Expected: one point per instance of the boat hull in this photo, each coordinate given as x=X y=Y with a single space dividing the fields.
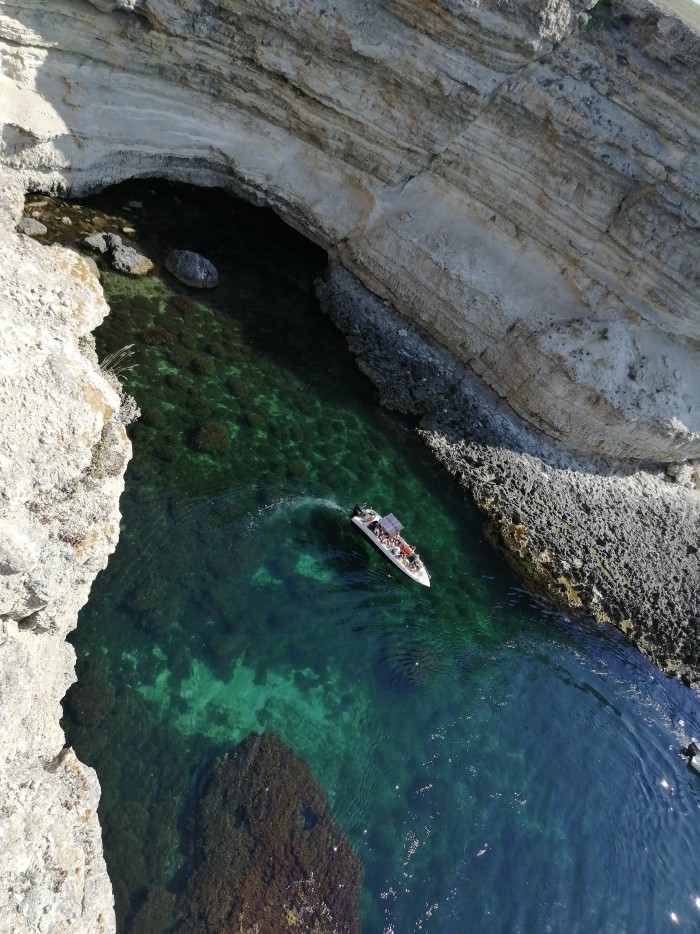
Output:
x=421 y=576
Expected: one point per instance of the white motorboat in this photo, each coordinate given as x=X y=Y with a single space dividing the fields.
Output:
x=383 y=532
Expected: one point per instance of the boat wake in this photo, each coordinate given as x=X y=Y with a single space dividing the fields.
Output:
x=286 y=505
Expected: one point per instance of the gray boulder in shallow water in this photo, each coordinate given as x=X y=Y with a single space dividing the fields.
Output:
x=192 y=269
x=31 y=227
x=123 y=258
x=126 y=259
x=96 y=243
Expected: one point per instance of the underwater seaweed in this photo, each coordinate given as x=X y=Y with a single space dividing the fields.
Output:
x=212 y=437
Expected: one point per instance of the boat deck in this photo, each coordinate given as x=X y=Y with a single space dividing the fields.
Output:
x=393 y=547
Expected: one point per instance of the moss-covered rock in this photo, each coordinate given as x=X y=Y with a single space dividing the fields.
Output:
x=216 y=349
x=154 y=913
x=92 y=697
x=156 y=336
x=184 y=304
x=212 y=437
x=153 y=417
x=204 y=365
x=188 y=339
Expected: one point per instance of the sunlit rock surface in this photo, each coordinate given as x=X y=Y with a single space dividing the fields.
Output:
x=520 y=178
x=63 y=453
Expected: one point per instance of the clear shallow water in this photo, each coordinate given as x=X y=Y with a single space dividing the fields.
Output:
x=496 y=766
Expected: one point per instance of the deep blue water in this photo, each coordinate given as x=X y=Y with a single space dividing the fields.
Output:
x=496 y=766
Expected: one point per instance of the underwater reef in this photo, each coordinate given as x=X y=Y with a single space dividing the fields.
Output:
x=269 y=854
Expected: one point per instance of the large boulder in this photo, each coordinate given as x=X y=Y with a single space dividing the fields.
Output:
x=270 y=856
x=192 y=269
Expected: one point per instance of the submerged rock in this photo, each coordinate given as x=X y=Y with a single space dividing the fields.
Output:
x=123 y=258
x=212 y=437
x=192 y=269
x=127 y=259
x=270 y=856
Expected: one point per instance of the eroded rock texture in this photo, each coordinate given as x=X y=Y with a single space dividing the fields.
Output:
x=63 y=452
x=270 y=856
x=521 y=178
x=620 y=541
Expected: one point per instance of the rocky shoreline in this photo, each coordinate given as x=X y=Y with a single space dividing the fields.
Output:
x=618 y=540
x=63 y=453
x=519 y=180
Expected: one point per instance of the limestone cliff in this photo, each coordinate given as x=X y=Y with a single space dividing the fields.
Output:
x=63 y=452
x=522 y=179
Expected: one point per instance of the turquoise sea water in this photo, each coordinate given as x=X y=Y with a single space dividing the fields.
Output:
x=496 y=766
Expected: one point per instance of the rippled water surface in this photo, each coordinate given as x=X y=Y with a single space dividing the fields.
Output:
x=497 y=767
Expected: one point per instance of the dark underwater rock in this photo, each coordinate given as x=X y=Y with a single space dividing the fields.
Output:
x=154 y=913
x=157 y=336
x=192 y=269
x=92 y=696
x=270 y=856
x=204 y=365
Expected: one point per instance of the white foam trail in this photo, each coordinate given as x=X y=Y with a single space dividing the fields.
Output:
x=288 y=504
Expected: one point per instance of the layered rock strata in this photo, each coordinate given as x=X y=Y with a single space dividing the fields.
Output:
x=63 y=452
x=521 y=179
x=619 y=540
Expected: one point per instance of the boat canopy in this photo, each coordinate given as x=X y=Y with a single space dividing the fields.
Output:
x=391 y=524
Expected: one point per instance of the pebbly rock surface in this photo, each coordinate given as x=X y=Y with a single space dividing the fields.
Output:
x=270 y=856
x=618 y=539
x=192 y=269
x=63 y=453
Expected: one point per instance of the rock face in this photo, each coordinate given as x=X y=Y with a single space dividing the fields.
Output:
x=63 y=452
x=618 y=540
x=519 y=179
x=522 y=179
x=270 y=855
